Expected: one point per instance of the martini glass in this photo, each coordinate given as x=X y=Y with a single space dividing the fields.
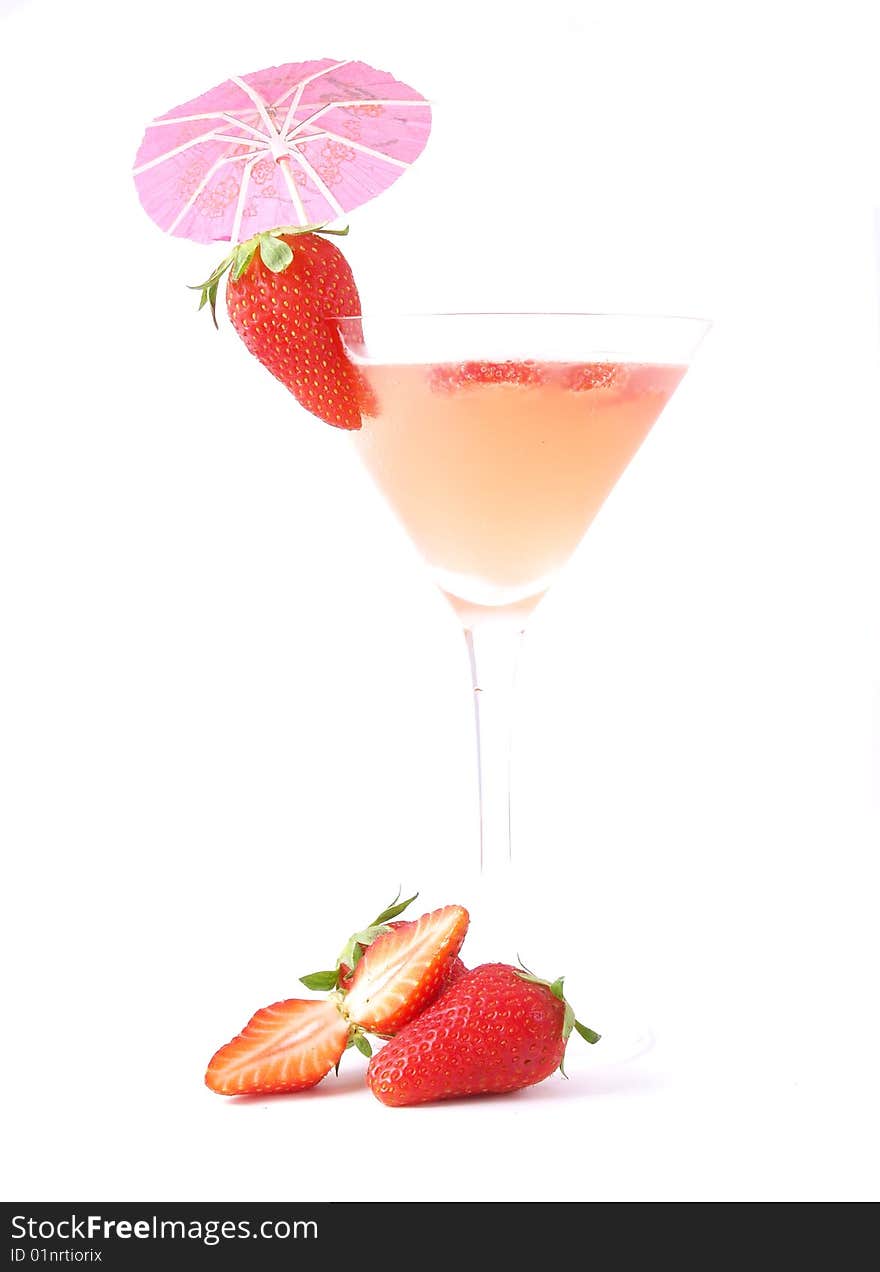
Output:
x=496 y=438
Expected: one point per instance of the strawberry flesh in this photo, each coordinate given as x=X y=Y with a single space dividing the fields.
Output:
x=404 y=970
x=289 y=1046
x=454 y=969
x=346 y=973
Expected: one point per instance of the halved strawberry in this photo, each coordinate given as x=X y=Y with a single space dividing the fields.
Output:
x=448 y=376
x=454 y=968
x=405 y=969
x=345 y=972
x=339 y=977
x=284 y=287
x=289 y=1046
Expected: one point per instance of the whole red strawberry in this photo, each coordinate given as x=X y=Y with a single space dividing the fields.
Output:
x=496 y=1029
x=283 y=290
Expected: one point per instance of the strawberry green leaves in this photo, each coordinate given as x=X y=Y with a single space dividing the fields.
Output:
x=396 y=907
x=209 y=287
x=320 y=980
x=569 y=1021
x=362 y=1044
x=588 y=1035
x=275 y=254
x=242 y=257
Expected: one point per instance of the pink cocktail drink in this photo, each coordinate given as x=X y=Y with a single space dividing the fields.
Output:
x=495 y=439
x=496 y=470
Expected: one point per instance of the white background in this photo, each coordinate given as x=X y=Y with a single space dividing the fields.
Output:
x=235 y=713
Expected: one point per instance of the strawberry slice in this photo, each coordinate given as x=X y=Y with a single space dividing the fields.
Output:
x=405 y=969
x=582 y=377
x=448 y=377
x=289 y=1046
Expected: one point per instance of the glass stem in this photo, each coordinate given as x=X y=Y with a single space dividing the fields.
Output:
x=494 y=650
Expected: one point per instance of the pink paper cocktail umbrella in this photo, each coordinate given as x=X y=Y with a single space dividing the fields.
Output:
x=297 y=144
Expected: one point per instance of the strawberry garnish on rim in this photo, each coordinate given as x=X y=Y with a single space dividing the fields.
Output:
x=289 y=1046
x=583 y=376
x=404 y=970
x=284 y=288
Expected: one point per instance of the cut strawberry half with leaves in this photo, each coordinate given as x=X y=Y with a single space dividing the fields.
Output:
x=289 y=1046
x=339 y=977
x=284 y=288
x=404 y=970
x=454 y=969
x=497 y=1029
x=355 y=951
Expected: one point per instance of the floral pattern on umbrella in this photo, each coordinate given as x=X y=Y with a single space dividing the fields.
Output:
x=299 y=144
